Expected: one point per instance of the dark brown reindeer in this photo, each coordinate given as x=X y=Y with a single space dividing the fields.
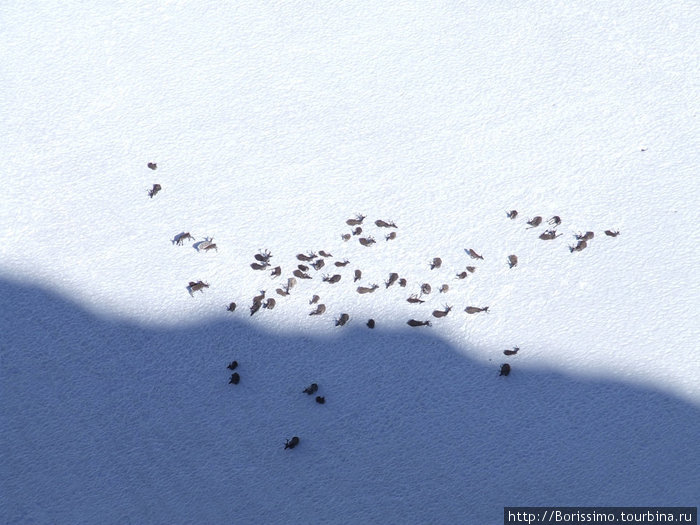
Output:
x=198 y=286
x=471 y=269
x=383 y=224
x=393 y=277
x=505 y=369
x=263 y=256
x=370 y=323
x=512 y=214
x=269 y=304
x=415 y=299
x=232 y=365
x=255 y=307
x=357 y=231
x=585 y=236
x=291 y=283
x=358 y=275
x=511 y=352
x=367 y=241
x=291 y=443
x=259 y=266
x=181 y=237
x=276 y=271
x=425 y=289
x=580 y=246
x=154 y=191
x=331 y=279
x=324 y=254
x=342 y=320
x=549 y=235
x=444 y=288
x=473 y=254
x=462 y=275
x=512 y=261
x=356 y=221
x=301 y=275
x=303 y=267
x=314 y=299
x=413 y=322
x=391 y=236
x=436 y=263
x=554 y=221
x=320 y=263
x=311 y=389
x=320 y=309
x=320 y=400
x=346 y=236
x=476 y=309
x=365 y=289
x=284 y=291
x=306 y=258
x=235 y=379
x=534 y=222
x=340 y=264
x=231 y=307
x=442 y=313
x=152 y=165
x=612 y=233
x=402 y=282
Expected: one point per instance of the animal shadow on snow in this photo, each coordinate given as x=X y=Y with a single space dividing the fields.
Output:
x=111 y=421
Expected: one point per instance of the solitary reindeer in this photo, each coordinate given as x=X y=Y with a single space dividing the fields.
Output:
x=534 y=222
x=340 y=264
x=358 y=275
x=442 y=313
x=331 y=279
x=512 y=261
x=180 y=238
x=505 y=369
x=471 y=269
x=512 y=214
x=585 y=236
x=462 y=275
x=436 y=263
x=152 y=165
x=311 y=389
x=276 y=271
x=391 y=236
x=356 y=221
x=612 y=233
x=301 y=275
x=384 y=224
x=346 y=236
x=308 y=257
x=231 y=307
x=367 y=241
x=370 y=323
x=198 y=286
x=413 y=322
x=342 y=320
x=549 y=235
x=291 y=443
x=580 y=246
x=476 y=309
x=511 y=352
x=473 y=254
x=153 y=191
x=320 y=309
x=364 y=289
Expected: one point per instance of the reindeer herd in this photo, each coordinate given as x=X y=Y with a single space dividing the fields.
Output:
x=310 y=263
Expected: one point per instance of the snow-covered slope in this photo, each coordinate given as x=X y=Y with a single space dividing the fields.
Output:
x=271 y=126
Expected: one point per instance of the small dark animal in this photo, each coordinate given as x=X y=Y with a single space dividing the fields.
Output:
x=358 y=275
x=370 y=323
x=414 y=299
x=585 y=237
x=303 y=267
x=383 y=224
x=535 y=222
x=612 y=233
x=259 y=298
x=425 y=288
x=332 y=280
x=555 y=221
x=301 y=275
x=259 y=266
x=308 y=257
x=320 y=263
x=364 y=289
x=324 y=254
x=311 y=389
x=442 y=313
x=320 y=309
x=342 y=320
x=549 y=235
x=276 y=271
x=269 y=304
x=255 y=307
x=180 y=238
x=476 y=310
x=291 y=283
x=462 y=275
x=314 y=299
x=199 y=286
x=393 y=277
x=367 y=241
x=413 y=322
x=512 y=261
x=402 y=282
x=235 y=379
x=444 y=288
x=512 y=214
x=153 y=191
x=511 y=352
x=232 y=365
x=579 y=247
x=320 y=400
x=346 y=236
x=437 y=262
x=291 y=443
x=471 y=269
x=357 y=231
x=473 y=254
x=263 y=256
x=357 y=220
x=231 y=307
x=391 y=236
x=152 y=165
x=284 y=292
x=505 y=369
x=340 y=264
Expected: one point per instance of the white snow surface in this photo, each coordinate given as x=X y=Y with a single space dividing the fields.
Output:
x=271 y=125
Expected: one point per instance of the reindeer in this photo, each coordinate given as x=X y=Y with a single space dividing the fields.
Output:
x=342 y=320
x=442 y=313
x=324 y=254
x=585 y=237
x=356 y=221
x=303 y=267
x=153 y=191
x=320 y=309
x=393 y=277
x=505 y=369
x=358 y=275
x=320 y=263
x=291 y=283
x=276 y=271
x=476 y=309
x=402 y=282
x=462 y=275
x=331 y=279
x=180 y=238
x=207 y=245
x=549 y=235
x=367 y=241
x=415 y=299
x=364 y=289
x=580 y=246
x=232 y=365
x=152 y=165
x=444 y=288
x=301 y=275
x=231 y=307
x=413 y=322
x=263 y=256
x=345 y=236
x=425 y=289
x=471 y=269
x=512 y=261
x=382 y=224
x=291 y=443
x=340 y=264
x=370 y=323
x=534 y=222
x=198 y=286
x=554 y=221
x=284 y=291
x=314 y=299
x=391 y=236
x=311 y=389
x=512 y=214
x=511 y=352
x=269 y=304
x=473 y=254
x=259 y=266
x=235 y=379
x=306 y=258
x=255 y=307
x=612 y=233
x=320 y=400
x=437 y=262
x=357 y=231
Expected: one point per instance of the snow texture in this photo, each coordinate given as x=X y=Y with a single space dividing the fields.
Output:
x=271 y=125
